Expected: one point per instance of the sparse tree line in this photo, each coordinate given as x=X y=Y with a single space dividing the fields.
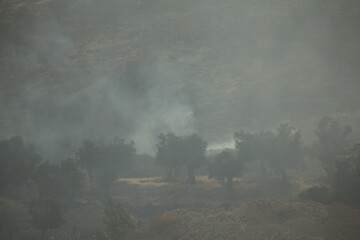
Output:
x=44 y=185
x=97 y=164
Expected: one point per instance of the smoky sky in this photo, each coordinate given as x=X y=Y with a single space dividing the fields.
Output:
x=72 y=70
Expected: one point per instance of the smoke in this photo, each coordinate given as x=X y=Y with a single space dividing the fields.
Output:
x=73 y=70
x=111 y=107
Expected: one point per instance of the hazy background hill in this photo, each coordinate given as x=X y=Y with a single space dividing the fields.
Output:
x=80 y=69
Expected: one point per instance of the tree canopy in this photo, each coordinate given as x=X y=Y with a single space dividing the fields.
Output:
x=173 y=152
x=105 y=161
x=332 y=143
x=227 y=166
x=45 y=214
x=278 y=151
x=18 y=163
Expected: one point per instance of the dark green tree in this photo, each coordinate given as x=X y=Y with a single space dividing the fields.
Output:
x=169 y=154
x=193 y=153
x=346 y=177
x=289 y=150
x=173 y=152
x=105 y=162
x=72 y=177
x=246 y=145
x=266 y=149
x=48 y=180
x=18 y=163
x=278 y=151
x=7 y=219
x=59 y=180
x=257 y=147
x=332 y=143
x=88 y=156
x=226 y=167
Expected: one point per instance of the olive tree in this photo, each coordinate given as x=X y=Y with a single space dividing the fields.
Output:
x=173 y=152
x=226 y=167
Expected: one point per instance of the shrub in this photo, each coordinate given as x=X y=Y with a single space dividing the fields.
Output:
x=346 y=178
x=45 y=215
x=117 y=221
x=160 y=227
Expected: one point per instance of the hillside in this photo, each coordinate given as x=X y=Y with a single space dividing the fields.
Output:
x=81 y=69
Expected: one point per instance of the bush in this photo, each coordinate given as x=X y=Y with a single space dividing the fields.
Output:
x=117 y=221
x=18 y=162
x=45 y=215
x=7 y=218
x=160 y=227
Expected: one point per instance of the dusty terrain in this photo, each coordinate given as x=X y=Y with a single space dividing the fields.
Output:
x=260 y=211
x=265 y=219
x=176 y=210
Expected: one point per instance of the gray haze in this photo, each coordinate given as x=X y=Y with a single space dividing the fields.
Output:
x=72 y=70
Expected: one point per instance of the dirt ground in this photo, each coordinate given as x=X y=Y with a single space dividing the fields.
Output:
x=263 y=220
x=259 y=210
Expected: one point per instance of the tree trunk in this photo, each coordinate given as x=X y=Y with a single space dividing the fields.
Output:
x=191 y=176
x=74 y=232
x=169 y=173
x=262 y=168
x=89 y=171
x=43 y=234
x=107 y=192
x=230 y=188
x=284 y=177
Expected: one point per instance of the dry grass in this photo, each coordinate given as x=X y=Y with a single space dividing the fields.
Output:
x=206 y=182
x=206 y=192
x=201 y=181
x=143 y=182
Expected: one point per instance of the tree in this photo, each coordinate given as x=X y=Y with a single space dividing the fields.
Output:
x=289 y=151
x=194 y=148
x=278 y=151
x=7 y=218
x=226 y=167
x=169 y=153
x=49 y=181
x=346 y=177
x=331 y=144
x=258 y=147
x=88 y=156
x=104 y=162
x=45 y=215
x=246 y=144
x=344 y=182
x=173 y=152
x=72 y=177
x=18 y=162
x=59 y=180
x=266 y=149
